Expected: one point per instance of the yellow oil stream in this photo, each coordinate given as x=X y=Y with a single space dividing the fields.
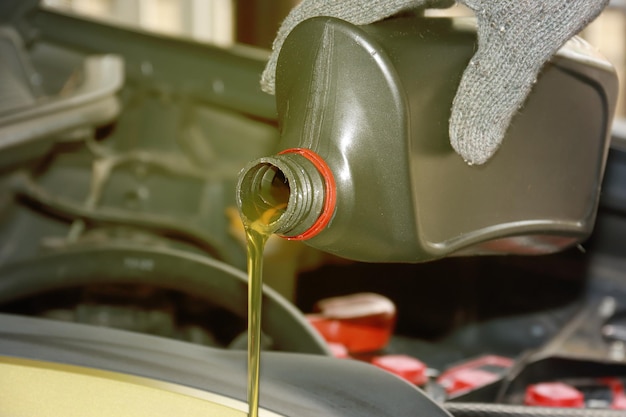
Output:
x=257 y=232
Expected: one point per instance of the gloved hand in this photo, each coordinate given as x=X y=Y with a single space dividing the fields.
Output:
x=515 y=39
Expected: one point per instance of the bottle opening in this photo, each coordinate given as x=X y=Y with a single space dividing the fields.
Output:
x=292 y=193
x=270 y=194
x=275 y=187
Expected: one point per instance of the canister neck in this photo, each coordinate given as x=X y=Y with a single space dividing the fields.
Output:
x=298 y=182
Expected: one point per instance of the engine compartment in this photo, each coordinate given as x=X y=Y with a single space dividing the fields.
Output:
x=115 y=221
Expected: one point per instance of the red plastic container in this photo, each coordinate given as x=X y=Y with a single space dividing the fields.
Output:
x=554 y=394
x=407 y=367
x=361 y=322
x=474 y=374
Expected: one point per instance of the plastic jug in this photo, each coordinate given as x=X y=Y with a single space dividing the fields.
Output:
x=363 y=114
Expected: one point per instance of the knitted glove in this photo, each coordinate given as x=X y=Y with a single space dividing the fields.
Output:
x=515 y=39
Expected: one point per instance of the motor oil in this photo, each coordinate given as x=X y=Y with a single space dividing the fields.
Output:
x=259 y=223
x=363 y=116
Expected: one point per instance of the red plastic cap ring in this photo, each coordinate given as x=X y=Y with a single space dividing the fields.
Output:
x=330 y=198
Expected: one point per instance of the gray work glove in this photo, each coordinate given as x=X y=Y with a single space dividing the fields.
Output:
x=515 y=39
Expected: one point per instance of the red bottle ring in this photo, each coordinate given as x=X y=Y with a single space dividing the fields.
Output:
x=330 y=193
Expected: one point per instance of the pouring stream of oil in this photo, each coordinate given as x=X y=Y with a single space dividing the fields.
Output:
x=258 y=232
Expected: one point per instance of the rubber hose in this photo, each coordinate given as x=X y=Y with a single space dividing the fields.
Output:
x=201 y=276
x=26 y=188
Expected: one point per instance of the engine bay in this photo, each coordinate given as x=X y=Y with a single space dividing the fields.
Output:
x=120 y=154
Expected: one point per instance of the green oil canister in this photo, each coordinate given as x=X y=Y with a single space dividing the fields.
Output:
x=363 y=115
